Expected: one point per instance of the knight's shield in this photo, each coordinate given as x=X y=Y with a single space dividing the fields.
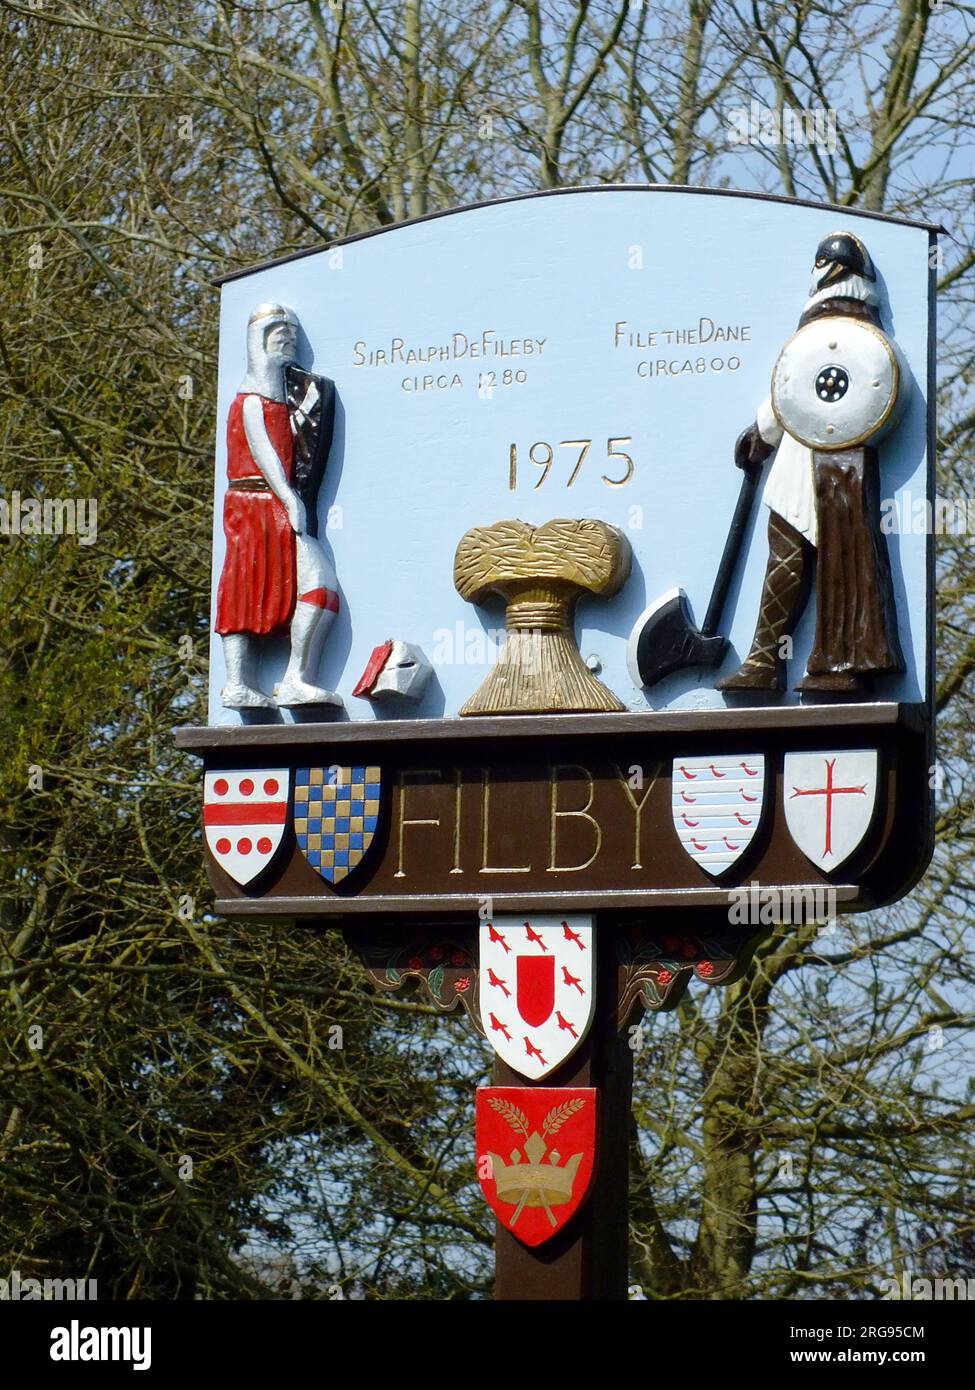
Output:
x=335 y=816
x=536 y=1153
x=829 y=802
x=536 y=988
x=717 y=807
x=311 y=409
x=245 y=815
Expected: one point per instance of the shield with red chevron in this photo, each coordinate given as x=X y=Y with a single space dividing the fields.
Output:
x=536 y=988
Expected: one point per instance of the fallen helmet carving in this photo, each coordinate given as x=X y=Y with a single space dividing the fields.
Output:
x=394 y=669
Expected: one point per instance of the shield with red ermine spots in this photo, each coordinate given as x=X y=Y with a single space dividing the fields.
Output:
x=536 y=988
x=717 y=807
x=245 y=815
x=829 y=802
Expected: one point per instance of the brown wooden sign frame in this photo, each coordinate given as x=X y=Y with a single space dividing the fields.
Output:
x=461 y=794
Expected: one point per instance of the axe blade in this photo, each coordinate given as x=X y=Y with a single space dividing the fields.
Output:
x=664 y=639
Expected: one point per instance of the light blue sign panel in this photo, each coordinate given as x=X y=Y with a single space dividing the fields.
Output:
x=589 y=354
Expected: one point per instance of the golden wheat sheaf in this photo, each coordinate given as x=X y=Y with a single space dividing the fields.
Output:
x=558 y=1115
x=516 y=1118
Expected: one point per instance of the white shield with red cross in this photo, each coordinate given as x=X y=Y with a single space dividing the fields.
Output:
x=536 y=988
x=717 y=807
x=829 y=802
x=245 y=815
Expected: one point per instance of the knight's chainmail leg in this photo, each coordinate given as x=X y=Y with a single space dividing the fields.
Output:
x=783 y=596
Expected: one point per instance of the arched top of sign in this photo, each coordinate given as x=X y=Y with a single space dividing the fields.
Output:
x=641 y=188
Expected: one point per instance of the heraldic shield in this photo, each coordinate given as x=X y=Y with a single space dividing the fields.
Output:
x=336 y=814
x=245 y=815
x=829 y=802
x=549 y=1135
x=717 y=807
x=536 y=988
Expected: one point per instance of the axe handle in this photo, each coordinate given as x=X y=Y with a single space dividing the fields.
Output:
x=732 y=549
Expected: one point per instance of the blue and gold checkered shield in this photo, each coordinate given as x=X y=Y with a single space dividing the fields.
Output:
x=336 y=814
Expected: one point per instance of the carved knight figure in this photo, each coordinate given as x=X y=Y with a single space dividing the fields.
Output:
x=824 y=501
x=276 y=576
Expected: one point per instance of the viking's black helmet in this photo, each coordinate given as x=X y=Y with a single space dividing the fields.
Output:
x=838 y=255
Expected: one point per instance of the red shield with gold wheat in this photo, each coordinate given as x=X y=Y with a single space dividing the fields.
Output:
x=536 y=1154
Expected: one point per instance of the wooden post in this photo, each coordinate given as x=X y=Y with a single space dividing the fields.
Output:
x=590 y=1258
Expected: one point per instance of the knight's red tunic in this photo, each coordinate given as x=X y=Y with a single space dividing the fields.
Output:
x=258 y=582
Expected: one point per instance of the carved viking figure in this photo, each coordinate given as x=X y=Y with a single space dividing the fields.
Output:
x=835 y=389
x=276 y=576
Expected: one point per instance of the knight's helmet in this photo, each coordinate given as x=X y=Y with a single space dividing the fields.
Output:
x=264 y=317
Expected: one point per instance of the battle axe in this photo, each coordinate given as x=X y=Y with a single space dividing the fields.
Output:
x=664 y=638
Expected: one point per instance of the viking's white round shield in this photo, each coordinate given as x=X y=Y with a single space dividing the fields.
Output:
x=837 y=383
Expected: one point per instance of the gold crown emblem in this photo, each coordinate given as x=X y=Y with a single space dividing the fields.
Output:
x=537 y=1182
